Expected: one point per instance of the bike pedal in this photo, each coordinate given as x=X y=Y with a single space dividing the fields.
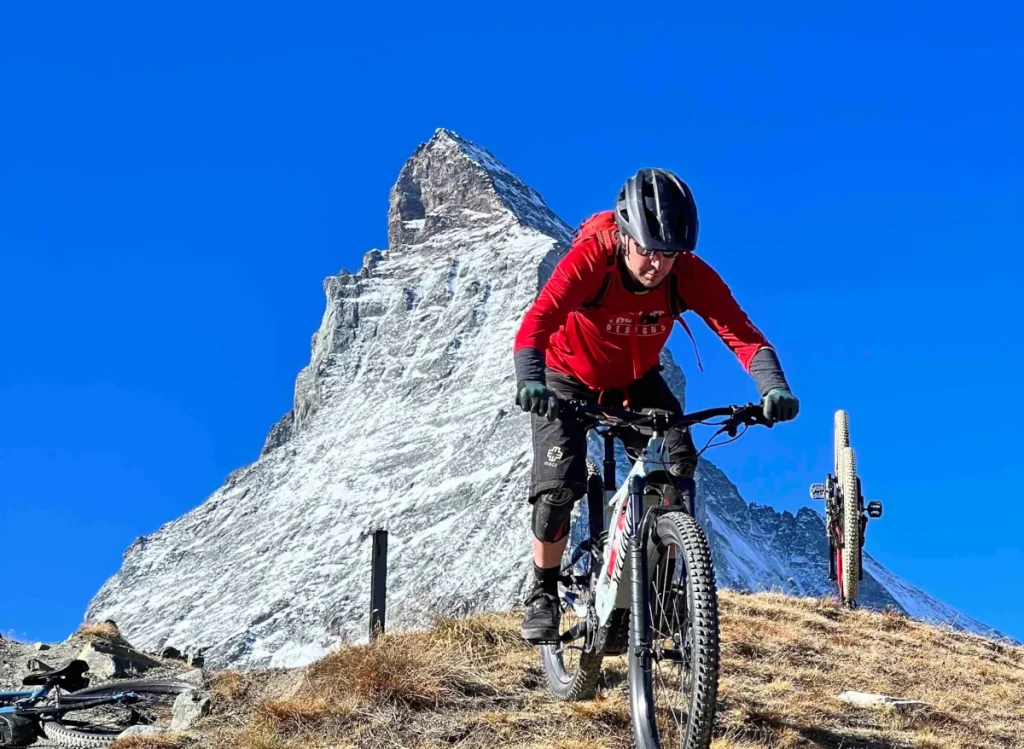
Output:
x=818 y=491
x=874 y=509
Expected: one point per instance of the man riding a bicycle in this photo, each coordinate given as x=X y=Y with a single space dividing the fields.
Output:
x=595 y=332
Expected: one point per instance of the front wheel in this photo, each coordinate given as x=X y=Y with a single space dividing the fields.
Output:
x=674 y=697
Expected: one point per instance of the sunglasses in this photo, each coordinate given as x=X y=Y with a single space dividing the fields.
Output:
x=648 y=253
x=641 y=250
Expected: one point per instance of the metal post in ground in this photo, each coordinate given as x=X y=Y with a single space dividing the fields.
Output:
x=378 y=583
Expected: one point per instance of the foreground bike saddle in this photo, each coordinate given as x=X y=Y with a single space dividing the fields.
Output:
x=70 y=678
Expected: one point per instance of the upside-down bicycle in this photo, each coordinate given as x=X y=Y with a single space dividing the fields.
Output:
x=846 y=516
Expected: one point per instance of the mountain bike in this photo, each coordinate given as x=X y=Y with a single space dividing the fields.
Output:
x=107 y=710
x=846 y=516
x=665 y=618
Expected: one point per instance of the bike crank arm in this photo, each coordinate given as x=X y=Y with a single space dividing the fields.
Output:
x=574 y=633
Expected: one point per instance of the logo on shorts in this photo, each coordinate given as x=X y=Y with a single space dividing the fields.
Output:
x=554 y=455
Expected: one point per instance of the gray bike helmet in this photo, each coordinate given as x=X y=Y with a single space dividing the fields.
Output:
x=657 y=209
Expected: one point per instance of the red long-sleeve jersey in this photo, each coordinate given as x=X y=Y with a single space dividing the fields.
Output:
x=610 y=345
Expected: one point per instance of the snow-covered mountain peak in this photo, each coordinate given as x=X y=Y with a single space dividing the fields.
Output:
x=404 y=418
x=450 y=182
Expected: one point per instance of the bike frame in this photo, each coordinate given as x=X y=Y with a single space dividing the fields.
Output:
x=24 y=702
x=628 y=509
x=7 y=699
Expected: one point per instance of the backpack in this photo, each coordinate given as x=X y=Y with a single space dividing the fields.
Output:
x=602 y=227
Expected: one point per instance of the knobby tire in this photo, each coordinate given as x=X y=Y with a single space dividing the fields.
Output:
x=680 y=530
x=851 y=526
x=578 y=682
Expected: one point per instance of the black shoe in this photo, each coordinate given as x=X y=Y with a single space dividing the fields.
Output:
x=540 y=624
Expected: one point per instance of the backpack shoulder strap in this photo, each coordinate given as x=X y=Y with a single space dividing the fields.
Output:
x=600 y=228
x=606 y=282
x=678 y=306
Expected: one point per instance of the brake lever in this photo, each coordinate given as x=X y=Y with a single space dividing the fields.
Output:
x=734 y=423
x=752 y=415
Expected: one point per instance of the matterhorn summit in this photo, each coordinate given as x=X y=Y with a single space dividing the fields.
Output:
x=404 y=419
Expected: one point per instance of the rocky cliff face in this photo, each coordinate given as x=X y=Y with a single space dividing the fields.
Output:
x=404 y=419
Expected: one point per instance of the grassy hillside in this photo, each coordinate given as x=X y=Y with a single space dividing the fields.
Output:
x=473 y=683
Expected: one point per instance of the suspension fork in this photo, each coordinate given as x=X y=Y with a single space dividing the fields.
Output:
x=640 y=614
x=641 y=687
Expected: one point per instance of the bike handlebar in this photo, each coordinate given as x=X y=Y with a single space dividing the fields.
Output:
x=613 y=416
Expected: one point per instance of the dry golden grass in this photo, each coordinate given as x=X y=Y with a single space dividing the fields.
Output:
x=784 y=661
x=472 y=683
x=230 y=686
x=169 y=741
x=103 y=631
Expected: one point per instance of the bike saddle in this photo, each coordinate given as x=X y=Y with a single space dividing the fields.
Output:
x=70 y=677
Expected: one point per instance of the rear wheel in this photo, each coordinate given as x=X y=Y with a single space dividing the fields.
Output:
x=100 y=726
x=682 y=685
x=850 y=578
x=573 y=666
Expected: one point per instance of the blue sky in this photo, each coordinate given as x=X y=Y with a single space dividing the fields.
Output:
x=176 y=185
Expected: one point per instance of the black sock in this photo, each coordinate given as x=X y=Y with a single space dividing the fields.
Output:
x=546 y=579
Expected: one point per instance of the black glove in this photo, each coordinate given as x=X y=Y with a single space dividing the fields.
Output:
x=780 y=405
x=537 y=398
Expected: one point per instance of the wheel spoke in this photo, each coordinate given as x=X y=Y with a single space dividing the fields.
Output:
x=670 y=661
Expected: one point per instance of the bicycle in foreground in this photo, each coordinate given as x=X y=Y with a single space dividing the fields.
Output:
x=846 y=516
x=641 y=582
x=104 y=711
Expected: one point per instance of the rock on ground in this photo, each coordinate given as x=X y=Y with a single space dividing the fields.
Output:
x=867 y=699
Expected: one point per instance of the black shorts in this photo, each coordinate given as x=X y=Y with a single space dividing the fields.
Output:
x=560 y=448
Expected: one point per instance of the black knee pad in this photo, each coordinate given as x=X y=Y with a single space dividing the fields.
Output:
x=551 y=514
